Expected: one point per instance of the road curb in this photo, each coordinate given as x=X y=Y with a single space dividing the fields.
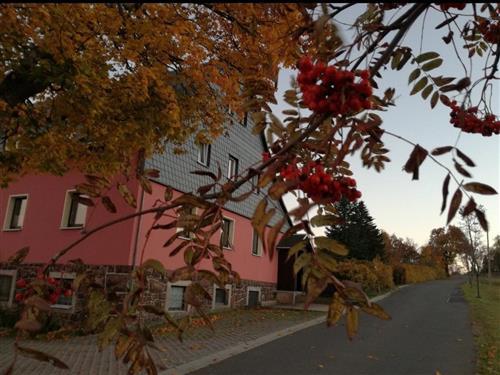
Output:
x=211 y=359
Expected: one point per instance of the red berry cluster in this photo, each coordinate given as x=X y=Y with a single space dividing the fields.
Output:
x=54 y=289
x=446 y=6
x=467 y=120
x=318 y=184
x=327 y=89
x=490 y=30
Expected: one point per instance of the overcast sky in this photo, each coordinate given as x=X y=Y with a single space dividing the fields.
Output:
x=398 y=204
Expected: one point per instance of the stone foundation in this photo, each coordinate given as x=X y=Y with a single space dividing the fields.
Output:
x=117 y=279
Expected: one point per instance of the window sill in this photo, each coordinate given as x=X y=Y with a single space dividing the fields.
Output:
x=12 y=229
x=63 y=308
x=257 y=255
x=220 y=306
x=200 y=163
x=227 y=248
x=72 y=228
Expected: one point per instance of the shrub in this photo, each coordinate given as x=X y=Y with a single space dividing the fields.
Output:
x=374 y=276
x=416 y=273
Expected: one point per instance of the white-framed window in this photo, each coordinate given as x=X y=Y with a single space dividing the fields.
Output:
x=7 y=287
x=16 y=211
x=221 y=297
x=74 y=212
x=232 y=167
x=204 y=151
x=254 y=294
x=255 y=183
x=227 y=233
x=189 y=211
x=66 y=283
x=244 y=123
x=176 y=296
x=256 y=244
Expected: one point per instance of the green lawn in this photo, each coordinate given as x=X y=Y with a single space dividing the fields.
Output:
x=485 y=313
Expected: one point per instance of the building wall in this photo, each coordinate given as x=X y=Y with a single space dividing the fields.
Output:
x=42 y=223
x=250 y=267
x=239 y=142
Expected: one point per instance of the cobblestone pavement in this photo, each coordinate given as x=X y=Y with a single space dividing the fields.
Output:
x=82 y=356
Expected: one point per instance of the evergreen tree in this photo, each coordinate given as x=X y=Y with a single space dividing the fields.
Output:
x=357 y=231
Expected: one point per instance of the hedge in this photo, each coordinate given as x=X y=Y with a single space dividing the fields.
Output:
x=376 y=276
x=416 y=273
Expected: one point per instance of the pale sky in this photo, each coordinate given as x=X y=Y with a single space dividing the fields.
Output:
x=398 y=204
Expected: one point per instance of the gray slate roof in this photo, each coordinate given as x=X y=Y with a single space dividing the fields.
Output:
x=240 y=143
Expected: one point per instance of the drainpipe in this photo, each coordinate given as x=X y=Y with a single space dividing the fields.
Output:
x=138 y=227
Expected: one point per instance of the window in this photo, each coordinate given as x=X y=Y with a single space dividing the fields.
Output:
x=204 y=154
x=232 y=170
x=227 y=235
x=256 y=244
x=65 y=300
x=7 y=286
x=253 y=296
x=74 y=212
x=245 y=120
x=176 y=296
x=16 y=211
x=255 y=183
x=221 y=296
x=186 y=211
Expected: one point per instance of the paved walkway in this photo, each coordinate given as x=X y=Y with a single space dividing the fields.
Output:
x=82 y=356
x=430 y=332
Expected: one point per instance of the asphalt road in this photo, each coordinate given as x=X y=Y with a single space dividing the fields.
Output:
x=429 y=332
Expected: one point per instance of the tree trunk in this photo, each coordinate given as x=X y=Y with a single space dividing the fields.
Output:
x=477 y=285
x=488 y=257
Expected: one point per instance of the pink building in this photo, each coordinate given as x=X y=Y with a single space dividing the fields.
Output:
x=41 y=212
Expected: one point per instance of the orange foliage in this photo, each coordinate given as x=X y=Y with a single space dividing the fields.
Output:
x=86 y=85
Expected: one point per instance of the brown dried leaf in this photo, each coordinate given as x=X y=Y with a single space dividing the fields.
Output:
x=376 y=310
x=462 y=170
x=296 y=248
x=277 y=190
x=352 y=322
x=28 y=325
x=127 y=195
x=314 y=288
x=145 y=184
x=19 y=256
x=331 y=245
x=481 y=217
x=40 y=356
x=335 y=310
x=108 y=204
x=454 y=205
x=301 y=262
x=446 y=184
x=441 y=150
x=38 y=302
x=415 y=160
x=169 y=193
x=479 y=188
x=272 y=237
x=469 y=207
x=465 y=158
x=154 y=264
